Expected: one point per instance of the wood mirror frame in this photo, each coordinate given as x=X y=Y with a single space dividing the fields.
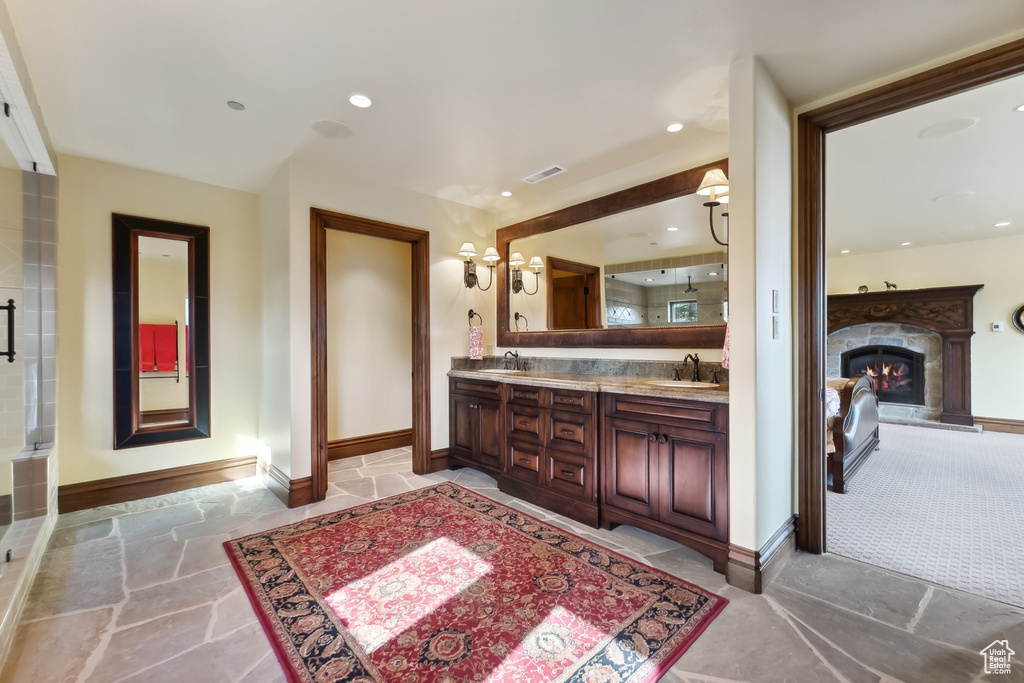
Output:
x=128 y=430
x=672 y=186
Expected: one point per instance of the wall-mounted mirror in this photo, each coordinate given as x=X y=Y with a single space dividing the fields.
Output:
x=637 y=267
x=161 y=331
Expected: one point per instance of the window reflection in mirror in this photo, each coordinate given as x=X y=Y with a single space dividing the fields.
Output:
x=658 y=267
x=161 y=331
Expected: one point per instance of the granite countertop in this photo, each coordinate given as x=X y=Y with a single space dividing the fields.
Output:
x=635 y=386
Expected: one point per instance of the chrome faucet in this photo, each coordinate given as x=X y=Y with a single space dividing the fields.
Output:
x=696 y=366
x=512 y=358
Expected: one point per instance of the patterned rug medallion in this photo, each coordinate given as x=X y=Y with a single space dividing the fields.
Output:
x=441 y=584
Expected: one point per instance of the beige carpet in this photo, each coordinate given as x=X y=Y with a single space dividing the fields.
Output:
x=943 y=506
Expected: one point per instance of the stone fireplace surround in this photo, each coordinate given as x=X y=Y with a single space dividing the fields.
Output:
x=947 y=311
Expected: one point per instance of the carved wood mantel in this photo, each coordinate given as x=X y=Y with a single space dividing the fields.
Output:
x=949 y=311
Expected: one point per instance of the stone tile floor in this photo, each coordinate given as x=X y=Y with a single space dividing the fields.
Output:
x=143 y=591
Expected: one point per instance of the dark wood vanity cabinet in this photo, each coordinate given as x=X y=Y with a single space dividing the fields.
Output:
x=477 y=436
x=665 y=468
x=552 y=447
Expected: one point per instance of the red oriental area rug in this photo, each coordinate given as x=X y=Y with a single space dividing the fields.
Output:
x=444 y=585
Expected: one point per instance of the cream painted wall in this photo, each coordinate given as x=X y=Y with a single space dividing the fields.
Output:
x=449 y=225
x=369 y=335
x=761 y=400
x=89 y=192
x=997 y=368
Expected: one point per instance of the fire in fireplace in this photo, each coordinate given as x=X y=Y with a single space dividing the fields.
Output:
x=898 y=372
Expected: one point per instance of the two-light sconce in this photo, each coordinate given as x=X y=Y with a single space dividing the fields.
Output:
x=492 y=257
x=517 y=260
x=469 y=266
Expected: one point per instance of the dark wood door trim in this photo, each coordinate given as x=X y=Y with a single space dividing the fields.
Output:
x=321 y=221
x=590 y=274
x=950 y=79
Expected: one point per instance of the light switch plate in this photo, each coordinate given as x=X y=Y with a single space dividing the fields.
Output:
x=775 y=301
x=775 y=327
x=997 y=327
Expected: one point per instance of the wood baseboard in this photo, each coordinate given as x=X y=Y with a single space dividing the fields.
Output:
x=753 y=570
x=90 y=494
x=438 y=460
x=292 y=492
x=999 y=424
x=370 y=443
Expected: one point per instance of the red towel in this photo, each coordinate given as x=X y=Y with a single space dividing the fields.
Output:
x=166 y=347
x=147 y=357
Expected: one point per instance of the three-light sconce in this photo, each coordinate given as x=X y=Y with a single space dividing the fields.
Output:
x=491 y=256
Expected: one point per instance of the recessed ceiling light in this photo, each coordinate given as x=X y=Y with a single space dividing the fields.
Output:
x=904 y=244
x=330 y=128
x=506 y=193
x=1003 y=224
x=712 y=273
x=1020 y=108
x=845 y=251
x=672 y=229
x=650 y=279
x=361 y=101
x=675 y=128
x=950 y=127
x=237 y=106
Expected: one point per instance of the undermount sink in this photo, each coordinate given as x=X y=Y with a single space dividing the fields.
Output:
x=499 y=371
x=682 y=384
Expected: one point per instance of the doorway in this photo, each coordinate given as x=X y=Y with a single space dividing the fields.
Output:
x=320 y=222
x=812 y=127
x=574 y=295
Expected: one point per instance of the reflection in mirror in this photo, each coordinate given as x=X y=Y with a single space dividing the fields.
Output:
x=161 y=331
x=654 y=266
x=12 y=408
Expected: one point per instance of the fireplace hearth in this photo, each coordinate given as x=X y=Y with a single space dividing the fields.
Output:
x=898 y=372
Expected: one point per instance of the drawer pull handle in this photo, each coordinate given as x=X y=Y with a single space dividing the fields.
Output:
x=524 y=461
x=567 y=432
x=524 y=423
x=563 y=399
x=568 y=473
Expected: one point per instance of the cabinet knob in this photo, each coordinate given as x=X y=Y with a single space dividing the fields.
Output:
x=662 y=439
x=652 y=437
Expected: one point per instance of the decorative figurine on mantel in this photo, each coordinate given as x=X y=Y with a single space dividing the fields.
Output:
x=863 y=289
x=889 y=285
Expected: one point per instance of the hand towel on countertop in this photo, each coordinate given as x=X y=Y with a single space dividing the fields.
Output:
x=476 y=342
x=166 y=347
x=147 y=355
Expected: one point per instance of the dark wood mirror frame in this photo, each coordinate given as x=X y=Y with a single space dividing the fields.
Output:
x=128 y=432
x=672 y=186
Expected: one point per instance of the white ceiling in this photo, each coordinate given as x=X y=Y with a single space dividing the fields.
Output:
x=469 y=95
x=940 y=173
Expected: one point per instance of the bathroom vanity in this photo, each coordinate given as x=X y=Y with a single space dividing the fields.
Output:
x=601 y=449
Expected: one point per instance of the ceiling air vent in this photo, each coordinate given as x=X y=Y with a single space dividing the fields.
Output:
x=543 y=175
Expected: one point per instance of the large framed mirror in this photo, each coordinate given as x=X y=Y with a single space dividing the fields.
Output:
x=161 y=275
x=636 y=268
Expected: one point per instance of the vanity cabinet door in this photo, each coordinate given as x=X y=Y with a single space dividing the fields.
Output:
x=464 y=425
x=630 y=467
x=491 y=436
x=692 y=474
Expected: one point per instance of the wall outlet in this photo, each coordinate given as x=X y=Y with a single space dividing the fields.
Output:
x=997 y=327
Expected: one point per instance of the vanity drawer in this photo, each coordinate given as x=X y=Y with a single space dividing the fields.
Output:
x=524 y=422
x=683 y=412
x=572 y=432
x=567 y=399
x=571 y=474
x=524 y=395
x=524 y=462
x=468 y=386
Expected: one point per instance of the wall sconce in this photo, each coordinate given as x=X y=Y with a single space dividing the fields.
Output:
x=715 y=187
x=517 y=260
x=469 y=270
